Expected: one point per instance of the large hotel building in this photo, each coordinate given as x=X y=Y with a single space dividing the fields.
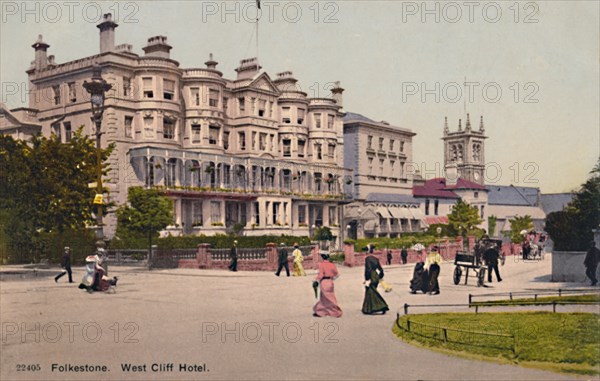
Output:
x=251 y=151
x=254 y=152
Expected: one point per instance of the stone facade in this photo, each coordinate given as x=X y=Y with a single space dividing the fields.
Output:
x=465 y=151
x=379 y=155
x=251 y=152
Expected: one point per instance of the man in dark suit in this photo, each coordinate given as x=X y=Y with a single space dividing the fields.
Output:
x=491 y=256
x=283 y=260
x=234 y=257
x=404 y=255
x=66 y=264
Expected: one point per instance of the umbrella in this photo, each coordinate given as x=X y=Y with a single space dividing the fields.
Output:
x=315 y=285
x=418 y=247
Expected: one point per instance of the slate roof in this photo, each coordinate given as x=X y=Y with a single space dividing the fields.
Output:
x=554 y=202
x=512 y=195
x=392 y=198
x=437 y=188
x=357 y=117
x=352 y=117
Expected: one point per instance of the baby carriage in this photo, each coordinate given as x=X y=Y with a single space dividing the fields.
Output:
x=420 y=279
x=94 y=278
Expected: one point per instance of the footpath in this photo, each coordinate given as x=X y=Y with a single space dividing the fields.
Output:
x=216 y=325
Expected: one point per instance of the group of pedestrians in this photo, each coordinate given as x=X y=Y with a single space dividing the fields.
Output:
x=96 y=276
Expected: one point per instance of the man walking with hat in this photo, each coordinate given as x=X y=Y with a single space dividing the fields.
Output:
x=66 y=264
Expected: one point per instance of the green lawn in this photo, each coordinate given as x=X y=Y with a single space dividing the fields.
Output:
x=564 y=342
x=588 y=298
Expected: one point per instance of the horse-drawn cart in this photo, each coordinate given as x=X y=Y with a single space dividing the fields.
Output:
x=468 y=262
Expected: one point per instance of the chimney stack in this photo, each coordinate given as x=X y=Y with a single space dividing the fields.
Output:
x=41 y=48
x=107 y=33
x=248 y=68
x=157 y=47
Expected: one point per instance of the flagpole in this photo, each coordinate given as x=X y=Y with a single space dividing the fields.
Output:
x=257 y=19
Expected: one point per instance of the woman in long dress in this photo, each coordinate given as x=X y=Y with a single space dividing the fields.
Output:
x=373 y=302
x=298 y=259
x=327 y=304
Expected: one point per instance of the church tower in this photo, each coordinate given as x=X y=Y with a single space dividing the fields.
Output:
x=464 y=151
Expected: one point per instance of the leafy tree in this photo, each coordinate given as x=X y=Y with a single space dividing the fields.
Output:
x=147 y=212
x=571 y=228
x=492 y=225
x=561 y=226
x=323 y=233
x=432 y=230
x=464 y=219
x=517 y=225
x=44 y=189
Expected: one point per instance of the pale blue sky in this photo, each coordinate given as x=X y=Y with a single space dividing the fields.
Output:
x=377 y=49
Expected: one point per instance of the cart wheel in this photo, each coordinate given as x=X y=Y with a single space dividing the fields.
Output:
x=457 y=274
x=480 y=278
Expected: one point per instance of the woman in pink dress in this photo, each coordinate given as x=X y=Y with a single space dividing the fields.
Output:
x=327 y=304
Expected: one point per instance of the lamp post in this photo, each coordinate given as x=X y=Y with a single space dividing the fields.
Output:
x=97 y=89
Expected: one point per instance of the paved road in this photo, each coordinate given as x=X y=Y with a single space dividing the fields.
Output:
x=244 y=325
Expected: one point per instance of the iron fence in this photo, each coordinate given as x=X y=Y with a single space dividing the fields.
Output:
x=500 y=341
x=127 y=257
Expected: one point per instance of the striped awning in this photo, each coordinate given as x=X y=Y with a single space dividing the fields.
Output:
x=401 y=213
x=384 y=212
x=417 y=214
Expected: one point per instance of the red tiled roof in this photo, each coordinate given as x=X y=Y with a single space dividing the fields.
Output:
x=436 y=220
x=437 y=188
